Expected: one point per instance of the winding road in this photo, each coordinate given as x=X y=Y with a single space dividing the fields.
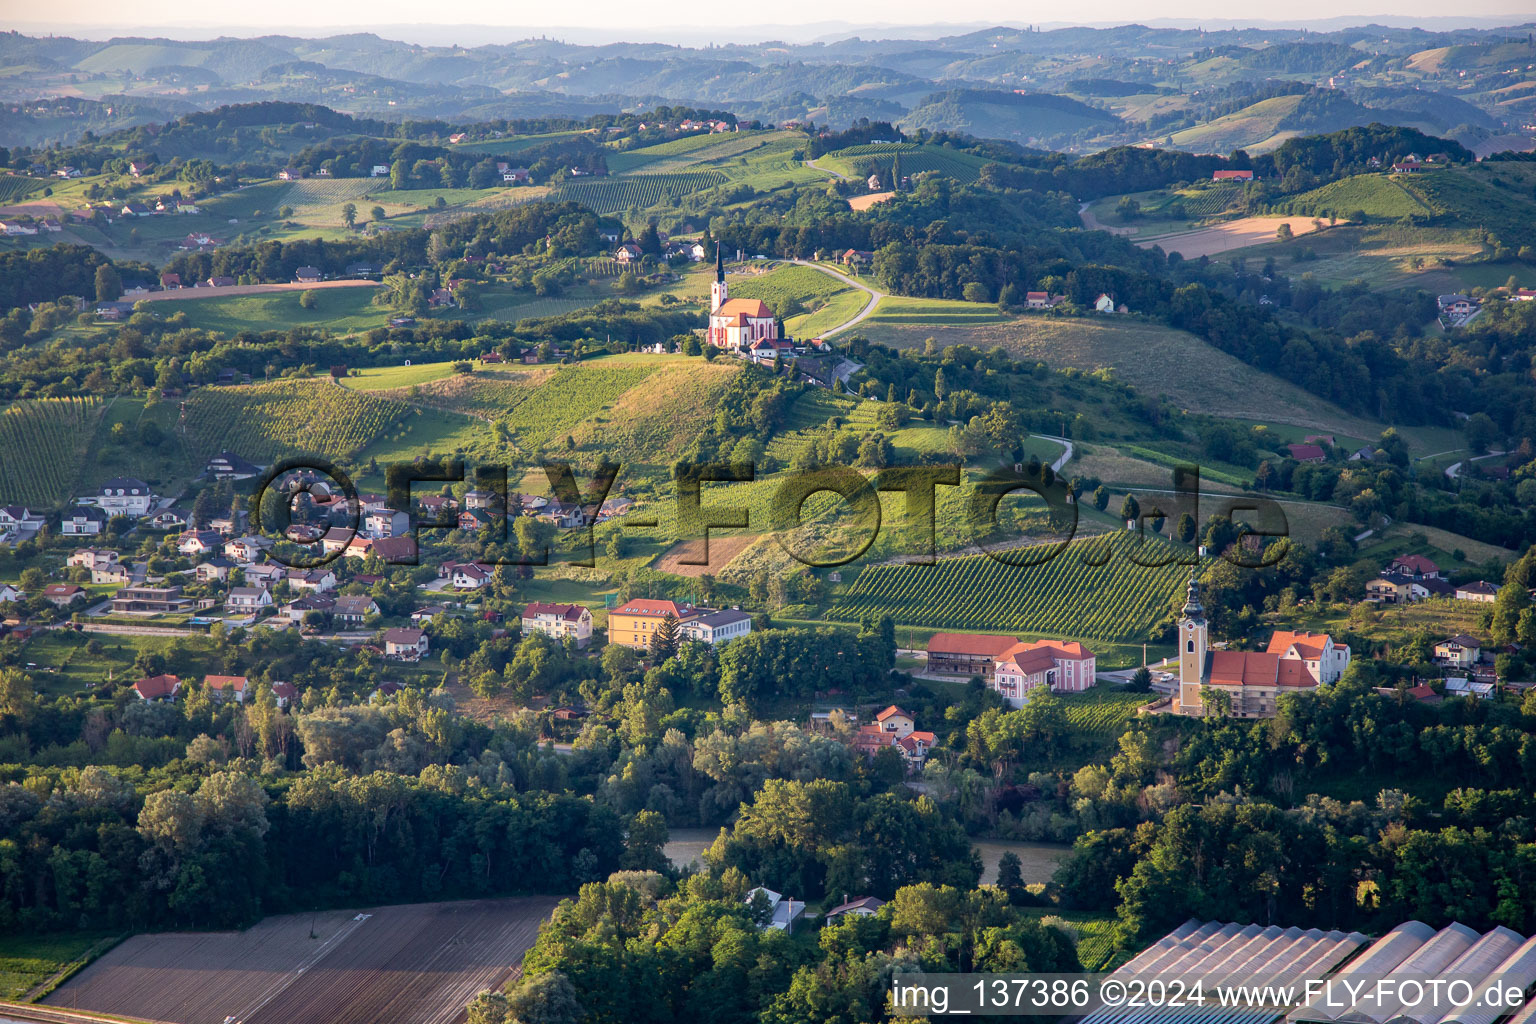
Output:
x=869 y=307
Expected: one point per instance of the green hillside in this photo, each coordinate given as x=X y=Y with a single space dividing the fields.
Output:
x=861 y=161
x=1006 y=115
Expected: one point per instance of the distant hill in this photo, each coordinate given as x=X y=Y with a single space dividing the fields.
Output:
x=1263 y=126
x=1032 y=117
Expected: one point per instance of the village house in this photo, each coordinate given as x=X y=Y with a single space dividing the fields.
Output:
x=264 y=575
x=111 y=574
x=92 y=558
x=392 y=550
x=162 y=687
x=150 y=601
x=633 y=623
x=783 y=912
x=1461 y=686
x=558 y=621
x=352 y=610
x=248 y=600
x=405 y=644
x=426 y=613
x=198 y=542
x=864 y=907
x=312 y=580
x=125 y=496
x=20 y=518
x=629 y=252
x=966 y=654
x=214 y=570
x=295 y=610
x=1324 y=660
x=386 y=522
x=1308 y=453
x=1459 y=651
x=1481 y=590
x=227 y=688
x=469 y=576
x=286 y=694
x=307 y=275
x=1232 y=176
x=62 y=594
x=167 y=519
x=248 y=548
x=9 y=593
x=895 y=728
x=228 y=466
x=82 y=521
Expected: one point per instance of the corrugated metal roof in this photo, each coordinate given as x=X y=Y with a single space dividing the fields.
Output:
x=1518 y=967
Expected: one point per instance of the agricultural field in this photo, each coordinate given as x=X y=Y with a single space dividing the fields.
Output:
x=1386 y=256
x=42 y=443
x=1157 y=360
x=552 y=411
x=513 y=144
x=420 y=962
x=386 y=378
x=908 y=310
x=862 y=161
x=323 y=192
x=807 y=300
x=691 y=150
x=640 y=191
x=14 y=187
x=287 y=417
x=1102 y=710
x=340 y=309
x=1064 y=596
x=29 y=962
x=1376 y=195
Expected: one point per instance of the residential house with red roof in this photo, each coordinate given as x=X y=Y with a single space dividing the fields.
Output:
x=1323 y=659
x=163 y=687
x=1060 y=666
x=558 y=621
x=224 y=688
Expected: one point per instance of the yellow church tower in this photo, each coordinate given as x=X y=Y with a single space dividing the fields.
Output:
x=1192 y=648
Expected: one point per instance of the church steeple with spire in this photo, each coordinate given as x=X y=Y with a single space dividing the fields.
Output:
x=718 y=291
x=1193 y=644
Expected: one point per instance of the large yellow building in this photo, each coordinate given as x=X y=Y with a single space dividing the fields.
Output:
x=635 y=622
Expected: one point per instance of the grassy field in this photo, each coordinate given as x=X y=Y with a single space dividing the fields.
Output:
x=1255 y=128
x=1157 y=360
x=384 y=378
x=861 y=161
x=1064 y=596
x=813 y=301
x=640 y=191
x=75 y=668
x=27 y=962
x=907 y=310
x=1375 y=195
x=340 y=309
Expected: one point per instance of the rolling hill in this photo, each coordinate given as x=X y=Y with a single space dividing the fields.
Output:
x=1033 y=117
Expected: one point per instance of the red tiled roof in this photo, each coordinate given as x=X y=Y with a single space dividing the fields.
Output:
x=1308 y=645
x=155 y=687
x=1232 y=668
x=648 y=606
x=563 y=611
x=1303 y=452
x=978 y=645
x=1418 y=563
x=1028 y=662
x=755 y=308
x=888 y=712
x=236 y=683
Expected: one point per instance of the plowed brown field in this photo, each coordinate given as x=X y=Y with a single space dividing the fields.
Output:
x=419 y=963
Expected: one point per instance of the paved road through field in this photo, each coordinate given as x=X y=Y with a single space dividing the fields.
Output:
x=869 y=307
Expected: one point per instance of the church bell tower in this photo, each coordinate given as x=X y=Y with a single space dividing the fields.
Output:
x=1192 y=648
x=718 y=291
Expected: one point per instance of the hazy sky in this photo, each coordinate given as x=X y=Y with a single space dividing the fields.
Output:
x=683 y=20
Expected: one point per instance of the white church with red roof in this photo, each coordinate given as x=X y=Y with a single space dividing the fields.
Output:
x=1252 y=681
x=736 y=324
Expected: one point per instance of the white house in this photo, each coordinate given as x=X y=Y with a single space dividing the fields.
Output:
x=91 y=558
x=865 y=907
x=1481 y=591
x=19 y=518
x=9 y=593
x=247 y=549
x=248 y=600
x=1104 y=304
x=386 y=522
x=224 y=688
x=1324 y=660
x=469 y=576
x=125 y=496
x=558 y=621
x=82 y=521
x=404 y=644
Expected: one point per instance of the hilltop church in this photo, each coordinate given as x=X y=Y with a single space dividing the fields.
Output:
x=1252 y=680
x=735 y=324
